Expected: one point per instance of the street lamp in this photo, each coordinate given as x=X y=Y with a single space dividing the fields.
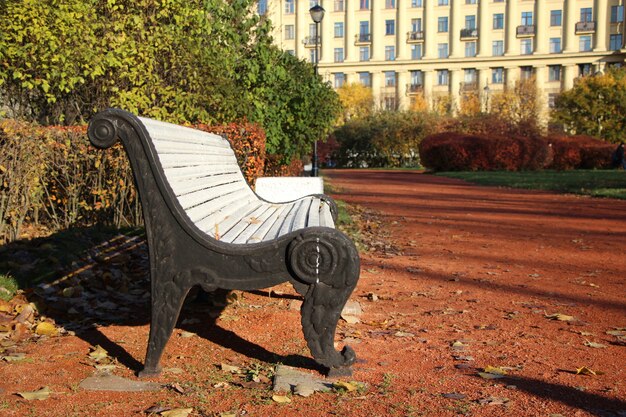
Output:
x=317 y=14
x=486 y=95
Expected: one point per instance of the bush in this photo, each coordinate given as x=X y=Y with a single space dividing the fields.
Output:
x=452 y=151
x=580 y=152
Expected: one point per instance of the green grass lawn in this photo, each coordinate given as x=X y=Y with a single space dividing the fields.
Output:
x=596 y=183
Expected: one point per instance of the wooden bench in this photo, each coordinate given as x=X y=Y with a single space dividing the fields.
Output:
x=205 y=226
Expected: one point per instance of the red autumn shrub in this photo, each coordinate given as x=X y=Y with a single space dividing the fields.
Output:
x=451 y=151
x=275 y=167
x=580 y=152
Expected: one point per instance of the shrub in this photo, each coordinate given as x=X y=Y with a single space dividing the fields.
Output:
x=453 y=151
x=580 y=152
x=274 y=167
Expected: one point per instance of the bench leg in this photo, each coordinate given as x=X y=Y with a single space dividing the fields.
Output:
x=167 y=301
x=321 y=311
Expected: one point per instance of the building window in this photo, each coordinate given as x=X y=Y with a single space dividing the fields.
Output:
x=442 y=2
x=527 y=18
x=470 y=49
x=313 y=3
x=470 y=22
x=390 y=4
x=552 y=100
x=340 y=79
x=365 y=79
x=313 y=30
x=364 y=4
x=364 y=53
x=390 y=102
x=497 y=75
x=338 y=29
x=585 y=69
x=262 y=7
x=497 y=48
x=526 y=72
x=390 y=78
x=470 y=76
x=554 y=72
x=442 y=50
x=290 y=32
x=498 y=20
x=416 y=3
x=526 y=46
x=442 y=24
x=416 y=51
x=416 y=24
x=290 y=6
x=291 y=52
x=364 y=28
x=615 y=42
x=390 y=53
x=339 y=5
x=416 y=78
x=556 y=17
x=338 y=54
x=617 y=14
x=313 y=55
x=585 y=43
x=555 y=45
x=586 y=14
x=442 y=77
x=390 y=27
x=470 y=2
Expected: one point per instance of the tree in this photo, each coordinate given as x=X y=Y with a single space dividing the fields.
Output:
x=356 y=100
x=519 y=106
x=596 y=106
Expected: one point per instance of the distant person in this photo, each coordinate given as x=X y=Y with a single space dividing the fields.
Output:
x=618 y=157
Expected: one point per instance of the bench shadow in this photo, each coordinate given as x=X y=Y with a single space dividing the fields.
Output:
x=87 y=278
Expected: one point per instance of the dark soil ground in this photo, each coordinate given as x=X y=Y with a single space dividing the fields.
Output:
x=476 y=301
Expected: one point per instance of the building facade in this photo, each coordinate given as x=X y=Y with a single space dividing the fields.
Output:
x=404 y=49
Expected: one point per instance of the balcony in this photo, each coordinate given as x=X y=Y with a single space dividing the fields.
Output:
x=311 y=41
x=467 y=34
x=414 y=88
x=585 y=27
x=363 y=39
x=415 y=36
x=525 y=31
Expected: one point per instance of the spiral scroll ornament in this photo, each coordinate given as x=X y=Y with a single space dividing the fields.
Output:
x=102 y=133
x=313 y=259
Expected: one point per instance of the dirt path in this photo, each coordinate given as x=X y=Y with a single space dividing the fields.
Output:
x=460 y=278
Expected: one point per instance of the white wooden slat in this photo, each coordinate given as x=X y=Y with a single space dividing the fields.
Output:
x=170 y=160
x=193 y=199
x=198 y=171
x=302 y=214
x=215 y=223
x=261 y=233
x=162 y=130
x=186 y=187
x=202 y=211
x=287 y=225
x=164 y=147
x=313 y=217
x=256 y=223
x=242 y=224
x=274 y=230
x=229 y=222
x=326 y=218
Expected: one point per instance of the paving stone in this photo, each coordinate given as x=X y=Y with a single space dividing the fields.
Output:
x=287 y=379
x=108 y=382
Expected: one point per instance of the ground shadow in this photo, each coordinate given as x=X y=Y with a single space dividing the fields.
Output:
x=89 y=278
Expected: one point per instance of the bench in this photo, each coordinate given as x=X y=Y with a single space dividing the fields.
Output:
x=206 y=227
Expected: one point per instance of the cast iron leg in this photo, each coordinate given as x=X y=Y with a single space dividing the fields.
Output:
x=166 y=304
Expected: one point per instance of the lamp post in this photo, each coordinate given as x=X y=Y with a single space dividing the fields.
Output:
x=486 y=92
x=317 y=14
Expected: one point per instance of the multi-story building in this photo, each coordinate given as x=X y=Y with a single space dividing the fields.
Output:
x=403 y=49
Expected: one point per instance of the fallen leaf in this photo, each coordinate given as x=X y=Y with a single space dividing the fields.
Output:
x=46 y=329
x=495 y=370
x=98 y=353
x=487 y=375
x=403 y=334
x=40 y=394
x=585 y=371
x=281 y=399
x=617 y=332
x=176 y=412
x=176 y=387
x=346 y=386
x=493 y=401
x=350 y=319
x=594 y=345
x=230 y=368
x=16 y=357
x=560 y=317
x=227 y=414
x=186 y=334
x=454 y=396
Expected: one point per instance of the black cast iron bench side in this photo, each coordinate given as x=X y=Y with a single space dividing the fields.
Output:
x=319 y=261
